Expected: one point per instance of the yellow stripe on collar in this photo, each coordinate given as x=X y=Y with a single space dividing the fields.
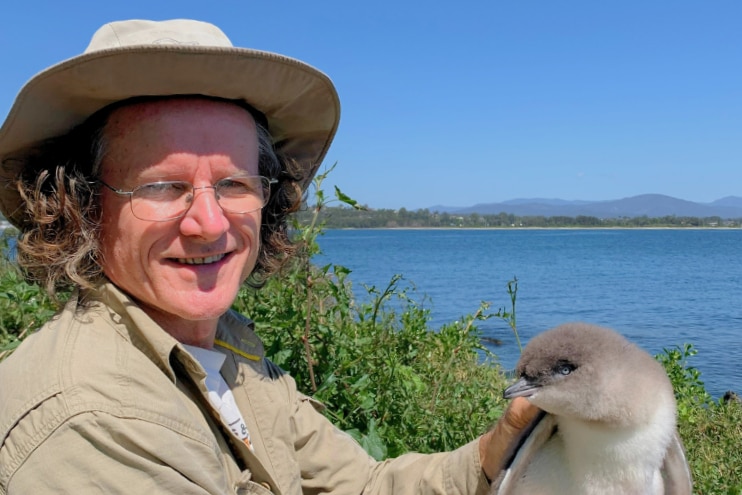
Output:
x=251 y=357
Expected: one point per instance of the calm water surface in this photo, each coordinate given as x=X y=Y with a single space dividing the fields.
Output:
x=660 y=288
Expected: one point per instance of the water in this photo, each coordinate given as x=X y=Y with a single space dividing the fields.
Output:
x=660 y=288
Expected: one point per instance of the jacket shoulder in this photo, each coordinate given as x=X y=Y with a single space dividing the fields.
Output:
x=77 y=363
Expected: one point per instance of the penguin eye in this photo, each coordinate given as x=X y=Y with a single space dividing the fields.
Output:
x=564 y=368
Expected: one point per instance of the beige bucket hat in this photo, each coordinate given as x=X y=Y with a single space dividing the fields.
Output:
x=157 y=58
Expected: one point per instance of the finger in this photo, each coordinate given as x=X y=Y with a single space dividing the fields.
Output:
x=520 y=412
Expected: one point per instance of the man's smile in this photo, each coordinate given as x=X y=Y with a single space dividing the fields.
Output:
x=202 y=261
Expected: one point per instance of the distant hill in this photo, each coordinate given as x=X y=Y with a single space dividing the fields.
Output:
x=732 y=201
x=650 y=205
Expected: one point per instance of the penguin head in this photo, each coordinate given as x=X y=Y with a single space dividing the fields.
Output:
x=590 y=373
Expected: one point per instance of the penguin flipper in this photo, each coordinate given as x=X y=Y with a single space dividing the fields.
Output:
x=675 y=470
x=523 y=449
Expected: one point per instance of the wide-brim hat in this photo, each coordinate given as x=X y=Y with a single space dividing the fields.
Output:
x=157 y=58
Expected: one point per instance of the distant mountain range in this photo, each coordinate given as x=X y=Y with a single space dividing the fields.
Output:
x=650 y=205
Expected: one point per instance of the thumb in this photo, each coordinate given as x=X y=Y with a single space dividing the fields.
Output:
x=520 y=413
x=495 y=445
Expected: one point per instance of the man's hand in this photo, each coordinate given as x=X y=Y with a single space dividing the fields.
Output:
x=493 y=445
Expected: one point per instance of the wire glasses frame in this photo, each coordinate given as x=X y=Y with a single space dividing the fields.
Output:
x=169 y=200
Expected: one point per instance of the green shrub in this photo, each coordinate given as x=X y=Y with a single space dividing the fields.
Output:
x=385 y=377
x=711 y=430
x=23 y=307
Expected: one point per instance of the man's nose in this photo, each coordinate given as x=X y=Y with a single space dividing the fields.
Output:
x=204 y=217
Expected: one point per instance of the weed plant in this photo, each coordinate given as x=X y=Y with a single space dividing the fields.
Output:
x=392 y=381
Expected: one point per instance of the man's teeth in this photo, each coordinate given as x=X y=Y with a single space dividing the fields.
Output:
x=201 y=261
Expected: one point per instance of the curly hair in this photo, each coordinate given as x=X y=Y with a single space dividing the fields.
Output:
x=58 y=246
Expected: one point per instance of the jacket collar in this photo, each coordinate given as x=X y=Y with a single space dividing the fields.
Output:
x=235 y=332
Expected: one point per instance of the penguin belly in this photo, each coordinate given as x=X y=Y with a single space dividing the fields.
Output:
x=588 y=465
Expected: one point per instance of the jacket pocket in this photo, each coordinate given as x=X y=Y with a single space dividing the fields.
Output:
x=252 y=488
x=245 y=486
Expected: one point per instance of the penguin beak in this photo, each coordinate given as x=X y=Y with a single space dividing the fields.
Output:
x=521 y=388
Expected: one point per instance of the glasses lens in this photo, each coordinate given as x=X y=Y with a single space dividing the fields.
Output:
x=242 y=194
x=168 y=200
x=161 y=200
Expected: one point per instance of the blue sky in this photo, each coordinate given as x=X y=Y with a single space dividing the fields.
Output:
x=466 y=102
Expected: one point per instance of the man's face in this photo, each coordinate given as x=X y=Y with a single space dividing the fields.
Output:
x=186 y=272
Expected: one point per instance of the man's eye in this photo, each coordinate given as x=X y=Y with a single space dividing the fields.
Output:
x=163 y=190
x=237 y=187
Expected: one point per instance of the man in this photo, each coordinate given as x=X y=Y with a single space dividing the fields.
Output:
x=152 y=175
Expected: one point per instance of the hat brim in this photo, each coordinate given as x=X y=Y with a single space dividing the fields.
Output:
x=299 y=102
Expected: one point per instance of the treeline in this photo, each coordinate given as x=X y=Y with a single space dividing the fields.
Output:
x=339 y=217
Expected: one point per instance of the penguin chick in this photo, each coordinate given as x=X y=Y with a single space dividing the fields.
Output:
x=610 y=422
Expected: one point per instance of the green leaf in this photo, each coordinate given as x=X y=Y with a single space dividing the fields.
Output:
x=344 y=198
x=10 y=346
x=373 y=444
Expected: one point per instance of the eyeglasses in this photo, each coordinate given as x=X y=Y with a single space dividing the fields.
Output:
x=169 y=200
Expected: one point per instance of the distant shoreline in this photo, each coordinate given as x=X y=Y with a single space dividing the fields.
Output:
x=533 y=228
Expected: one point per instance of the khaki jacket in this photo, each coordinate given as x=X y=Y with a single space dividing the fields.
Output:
x=102 y=400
